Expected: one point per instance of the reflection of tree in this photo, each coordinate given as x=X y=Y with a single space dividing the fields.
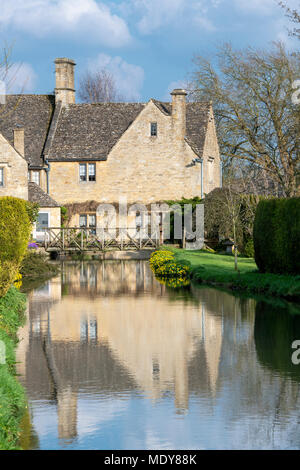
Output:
x=274 y=332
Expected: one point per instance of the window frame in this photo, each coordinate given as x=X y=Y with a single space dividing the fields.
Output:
x=86 y=221
x=82 y=165
x=85 y=173
x=153 y=129
x=91 y=175
x=2 y=182
x=87 y=216
x=36 y=172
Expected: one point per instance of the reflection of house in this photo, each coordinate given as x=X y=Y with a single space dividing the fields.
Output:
x=118 y=341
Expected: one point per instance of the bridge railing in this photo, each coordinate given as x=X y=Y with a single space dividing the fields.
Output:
x=82 y=238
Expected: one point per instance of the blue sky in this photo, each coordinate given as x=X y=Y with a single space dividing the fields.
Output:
x=147 y=44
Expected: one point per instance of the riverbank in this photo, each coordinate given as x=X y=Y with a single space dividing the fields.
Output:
x=36 y=269
x=218 y=270
x=12 y=395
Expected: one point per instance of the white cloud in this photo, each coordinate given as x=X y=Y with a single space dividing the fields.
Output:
x=129 y=78
x=176 y=84
x=156 y=14
x=20 y=78
x=85 y=18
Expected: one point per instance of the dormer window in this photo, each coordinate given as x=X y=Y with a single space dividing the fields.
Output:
x=153 y=129
x=1 y=177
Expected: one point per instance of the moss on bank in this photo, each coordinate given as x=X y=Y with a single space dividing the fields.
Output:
x=12 y=395
x=218 y=270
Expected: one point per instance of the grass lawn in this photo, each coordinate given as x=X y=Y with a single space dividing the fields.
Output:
x=218 y=269
x=12 y=396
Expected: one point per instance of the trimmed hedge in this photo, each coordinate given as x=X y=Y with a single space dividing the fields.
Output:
x=15 y=229
x=276 y=235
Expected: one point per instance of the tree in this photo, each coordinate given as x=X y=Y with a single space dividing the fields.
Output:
x=98 y=87
x=256 y=120
x=294 y=15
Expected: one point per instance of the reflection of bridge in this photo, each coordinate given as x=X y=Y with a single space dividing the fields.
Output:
x=99 y=239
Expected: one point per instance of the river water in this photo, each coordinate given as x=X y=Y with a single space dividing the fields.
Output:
x=112 y=359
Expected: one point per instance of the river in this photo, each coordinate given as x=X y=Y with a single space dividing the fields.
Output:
x=112 y=359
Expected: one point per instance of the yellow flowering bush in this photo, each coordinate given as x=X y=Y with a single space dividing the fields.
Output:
x=18 y=281
x=165 y=266
x=159 y=258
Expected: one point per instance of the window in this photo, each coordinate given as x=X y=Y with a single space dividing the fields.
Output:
x=83 y=220
x=153 y=129
x=91 y=168
x=92 y=222
x=42 y=221
x=1 y=177
x=35 y=177
x=92 y=172
x=82 y=172
x=88 y=221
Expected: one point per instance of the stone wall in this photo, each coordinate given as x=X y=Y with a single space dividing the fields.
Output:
x=15 y=171
x=142 y=168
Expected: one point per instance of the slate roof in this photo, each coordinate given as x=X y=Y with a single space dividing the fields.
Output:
x=34 y=113
x=84 y=131
x=36 y=194
x=89 y=131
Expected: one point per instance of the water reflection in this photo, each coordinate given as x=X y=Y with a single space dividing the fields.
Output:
x=111 y=358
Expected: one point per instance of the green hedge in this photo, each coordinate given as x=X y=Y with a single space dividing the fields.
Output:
x=276 y=236
x=15 y=228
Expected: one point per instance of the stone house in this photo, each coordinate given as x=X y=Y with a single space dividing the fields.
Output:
x=86 y=154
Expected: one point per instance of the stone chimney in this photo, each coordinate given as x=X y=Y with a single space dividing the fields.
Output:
x=64 y=90
x=179 y=113
x=19 y=140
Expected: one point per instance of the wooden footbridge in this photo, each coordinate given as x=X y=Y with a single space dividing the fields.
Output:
x=76 y=239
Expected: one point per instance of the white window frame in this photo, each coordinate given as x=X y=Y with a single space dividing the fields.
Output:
x=81 y=166
x=92 y=174
x=36 y=172
x=1 y=177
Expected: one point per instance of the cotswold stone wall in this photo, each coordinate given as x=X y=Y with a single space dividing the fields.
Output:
x=15 y=170
x=141 y=167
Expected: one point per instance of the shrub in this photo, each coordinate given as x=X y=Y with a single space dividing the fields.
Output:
x=15 y=229
x=159 y=258
x=164 y=265
x=276 y=236
x=36 y=265
x=32 y=209
x=249 y=249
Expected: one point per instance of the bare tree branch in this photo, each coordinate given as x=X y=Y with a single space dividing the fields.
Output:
x=256 y=120
x=98 y=87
